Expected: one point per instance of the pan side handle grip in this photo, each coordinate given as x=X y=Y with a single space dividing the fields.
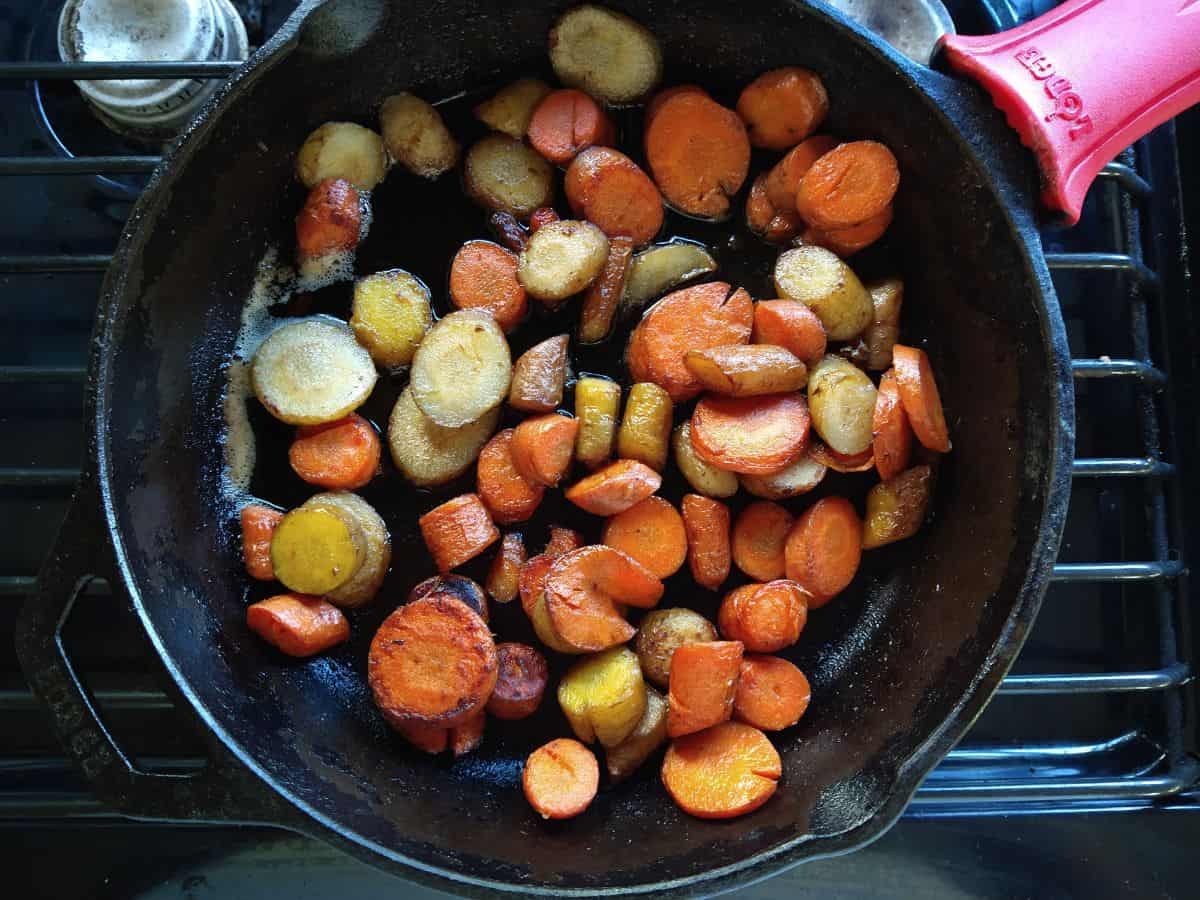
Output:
x=224 y=791
x=1084 y=81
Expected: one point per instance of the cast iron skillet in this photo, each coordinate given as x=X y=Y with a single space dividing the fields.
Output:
x=901 y=664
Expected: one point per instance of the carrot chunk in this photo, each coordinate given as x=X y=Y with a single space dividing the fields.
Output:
x=702 y=685
x=610 y=190
x=581 y=589
x=297 y=624
x=783 y=107
x=824 y=549
x=726 y=771
x=330 y=219
x=759 y=536
x=848 y=185
x=783 y=180
x=892 y=435
x=656 y=102
x=707 y=524
x=508 y=495
x=792 y=325
x=848 y=241
x=458 y=530
x=258 y=527
x=521 y=682
x=652 y=532
x=764 y=617
x=561 y=778
x=772 y=694
x=615 y=488
x=338 y=456
x=562 y=540
x=503 y=580
x=919 y=394
x=542 y=447
x=566 y=122
x=773 y=224
x=751 y=435
x=483 y=276
x=602 y=299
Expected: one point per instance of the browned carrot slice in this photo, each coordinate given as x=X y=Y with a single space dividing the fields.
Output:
x=702 y=685
x=759 y=536
x=767 y=618
x=707 y=524
x=842 y=462
x=750 y=435
x=614 y=488
x=772 y=224
x=565 y=122
x=783 y=107
x=542 y=447
x=824 y=549
x=608 y=188
x=666 y=94
x=430 y=738
x=532 y=580
x=848 y=185
x=298 y=625
x=504 y=575
x=694 y=318
x=792 y=325
x=258 y=527
x=848 y=241
x=604 y=296
x=726 y=771
x=919 y=394
x=468 y=735
x=698 y=152
x=483 y=276
x=783 y=181
x=521 y=682
x=339 y=456
x=772 y=694
x=458 y=530
x=505 y=491
x=604 y=570
x=543 y=215
x=432 y=661
x=651 y=532
x=561 y=778
x=330 y=219
x=892 y=436
x=562 y=540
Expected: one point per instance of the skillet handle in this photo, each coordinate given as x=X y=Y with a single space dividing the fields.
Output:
x=1084 y=81
x=224 y=791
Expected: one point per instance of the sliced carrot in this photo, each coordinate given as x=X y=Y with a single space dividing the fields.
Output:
x=772 y=694
x=759 y=536
x=750 y=435
x=432 y=661
x=842 y=462
x=919 y=394
x=468 y=735
x=666 y=94
x=767 y=618
x=566 y=122
x=542 y=447
x=694 y=318
x=892 y=435
x=783 y=107
x=483 y=276
x=503 y=580
x=562 y=540
x=458 y=530
x=707 y=524
x=824 y=549
x=783 y=181
x=602 y=299
x=430 y=738
x=774 y=225
x=508 y=495
x=702 y=685
x=698 y=152
x=258 y=527
x=848 y=185
x=330 y=219
x=561 y=778
x=848 y=241
x=614 y=488
x=297 y=624
x=521 y=682
x=792 y=325
x=602 y=569
x=532 y=580
x=543 y=215
x=726 y=771
x=610 y=190
x=651 y=532
x=338 y=456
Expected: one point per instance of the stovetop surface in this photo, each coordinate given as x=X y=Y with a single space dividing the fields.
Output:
x=1077 y=781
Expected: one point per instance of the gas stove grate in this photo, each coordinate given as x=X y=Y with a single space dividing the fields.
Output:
x=1142 y=765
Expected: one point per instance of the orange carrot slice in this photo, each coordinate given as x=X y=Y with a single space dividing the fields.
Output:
x=608 y=189
x=506 y=492
x=750 y=435
x=542 y=447
x=298 y=625
x=848 y=185
x=521 y=682
x=652 y=532
x=759 y=536
x=707 y=524
x=330 y=219
x=503 y=580
x=783 y=107
x=792 y=325
x=767 y=618
x=783 y=181
x=615 y=488
x=772 y=694
x=919 y=394
x=258 y=527
x=561 y=778
x=703 y=682
x=892 y=436
x=566 y=122
x=483 y=276
x=824 y=549
x=458 y=530
x=721 y=773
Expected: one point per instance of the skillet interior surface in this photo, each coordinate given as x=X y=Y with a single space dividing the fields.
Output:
x=899 y=664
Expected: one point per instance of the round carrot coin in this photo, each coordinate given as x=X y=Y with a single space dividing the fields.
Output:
x=848 y=185
x=750 y=435
x=339 y=456
x=919 y=394
x=783 y=180
x=608 y=189
x=891 y=434
x=767 y=618
x=722 y=772
x=824 y=549
x=615 y=488
x=508 y=495
x=652 y=532
x=483 y=276
x=759 y=535
x=565 y=122
x=772 y=694
x=783 y=107
x=520 y=682
x=561 y=778
x=792 y=325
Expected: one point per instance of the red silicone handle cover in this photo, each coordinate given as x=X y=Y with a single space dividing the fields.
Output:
x=1086 y=80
